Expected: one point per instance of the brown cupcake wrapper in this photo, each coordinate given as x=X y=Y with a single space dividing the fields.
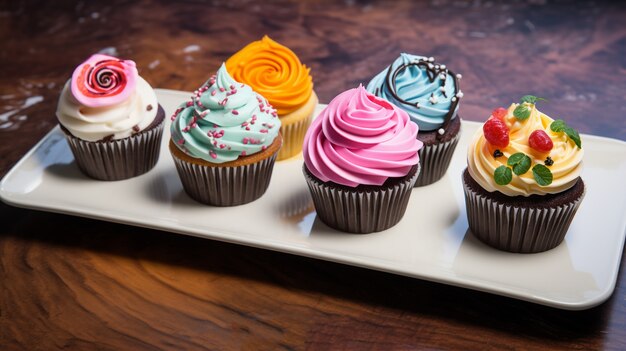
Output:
x=225 y=186
x=293 y=137
x=516 y=228
x=435 y=160
x=118 y=159
x=360 y=211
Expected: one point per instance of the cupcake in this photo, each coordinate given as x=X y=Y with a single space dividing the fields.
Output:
x=360 y=162
x=522 y=183
x=429 y=92
x=111 y=119
x=276 y=73
x=224 y=142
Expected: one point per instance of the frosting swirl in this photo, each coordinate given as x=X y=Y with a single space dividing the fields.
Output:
x=426 y=90
x=103 y=81
x=225 y=119
x=275 y=72
x=360 y=139
x=566 y=155
x=120 y=114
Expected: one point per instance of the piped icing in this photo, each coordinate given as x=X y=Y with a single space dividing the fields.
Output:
x=428 y=91
x=106 y=99
x=275 y=72
x=224 y=120
x=560 y=155
x=360 y=139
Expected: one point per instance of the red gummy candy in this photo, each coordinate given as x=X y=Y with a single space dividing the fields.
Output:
x=496 y=132
x=540 y=141
x=499 y=113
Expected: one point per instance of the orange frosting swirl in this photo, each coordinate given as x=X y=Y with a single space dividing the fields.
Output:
x=273 y=71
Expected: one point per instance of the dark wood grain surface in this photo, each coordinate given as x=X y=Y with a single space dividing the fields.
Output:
x=79 y=284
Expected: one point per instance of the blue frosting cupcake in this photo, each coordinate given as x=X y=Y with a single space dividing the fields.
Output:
x=430 y=93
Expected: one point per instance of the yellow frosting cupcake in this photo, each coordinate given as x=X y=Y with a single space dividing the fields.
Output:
x=275 y=72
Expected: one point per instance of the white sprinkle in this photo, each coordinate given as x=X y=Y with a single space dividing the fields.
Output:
x=442 y=76
x=443 y=66
x=154 y=64
x=453 y=98
x=433 y=99
x=430 y=65
x=459 y=94
x=459 y=76
x=441 y=131
x=431 y=59
x=443 y=89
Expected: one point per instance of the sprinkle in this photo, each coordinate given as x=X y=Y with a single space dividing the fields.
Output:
x=263 y=147
x=441 y=131
x=453 y=98
x=189 y=103
x=442 y=66
x=549 y=161
x=235 y=112
x=263 y=130
x=181 y=141
x=430 y=66
x=497 y=153
x=246 y=140
x=213 y=154
x=459 y=76
x=194 y=125
x=149 y=107
x=186 y=129
x=244 y=124
x=213 y=92
x=222 y=146
x=247 y=128
x=232 y=87
x=222 y=89
x=431 y=59
x=243 y=153
x=433 y=99
x=443 y=89
x=459 y=94
x=243 y=85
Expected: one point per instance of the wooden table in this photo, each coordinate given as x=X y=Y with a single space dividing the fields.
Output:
x=80 y=284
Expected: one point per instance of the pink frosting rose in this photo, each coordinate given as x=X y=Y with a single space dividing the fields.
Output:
x=361 y=139
x=103 y=81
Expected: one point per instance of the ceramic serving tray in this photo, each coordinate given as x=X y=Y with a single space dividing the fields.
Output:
x=431 y=242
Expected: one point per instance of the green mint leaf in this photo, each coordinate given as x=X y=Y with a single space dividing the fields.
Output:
x=520 y=163
x=573 y=134
x=502 y=175
x=521 y=112
x=558 y=126
x=531 y=99
x=542 y=175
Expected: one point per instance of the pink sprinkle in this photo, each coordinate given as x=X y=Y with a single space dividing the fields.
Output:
x=246 y=140
x=189 y=103
x=222 y=89
x=263 y=147
x=194 y=125
x=213 y=154
x=213 y=92
x=232 y=87
x=242 y=85
x=263 y=130
x=181 y=141
x=215 y=143
x=247 y=128
x=244 y=124
x=274 y=114
x=222 y=146
x=215 y=126
x=186 y=129
x=235 y=112
x=243 y=153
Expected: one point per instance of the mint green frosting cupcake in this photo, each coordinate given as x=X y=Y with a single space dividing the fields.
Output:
x=225 y=119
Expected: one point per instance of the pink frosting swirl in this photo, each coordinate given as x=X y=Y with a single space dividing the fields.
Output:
x=361 y=139
x=104 y=81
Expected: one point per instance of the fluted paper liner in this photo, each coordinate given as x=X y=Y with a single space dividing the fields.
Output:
x=360 y=211
x=293 y=137
x=118 y=159
x=225 y=186
x=518 y=229
x=435 y=160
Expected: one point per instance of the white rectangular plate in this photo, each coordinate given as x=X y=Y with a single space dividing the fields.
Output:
x=431 y=242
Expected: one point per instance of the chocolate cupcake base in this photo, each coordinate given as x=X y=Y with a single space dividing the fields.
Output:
x=363 y=209
x=119 y=159
x=520 y=224
x=436 y=154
